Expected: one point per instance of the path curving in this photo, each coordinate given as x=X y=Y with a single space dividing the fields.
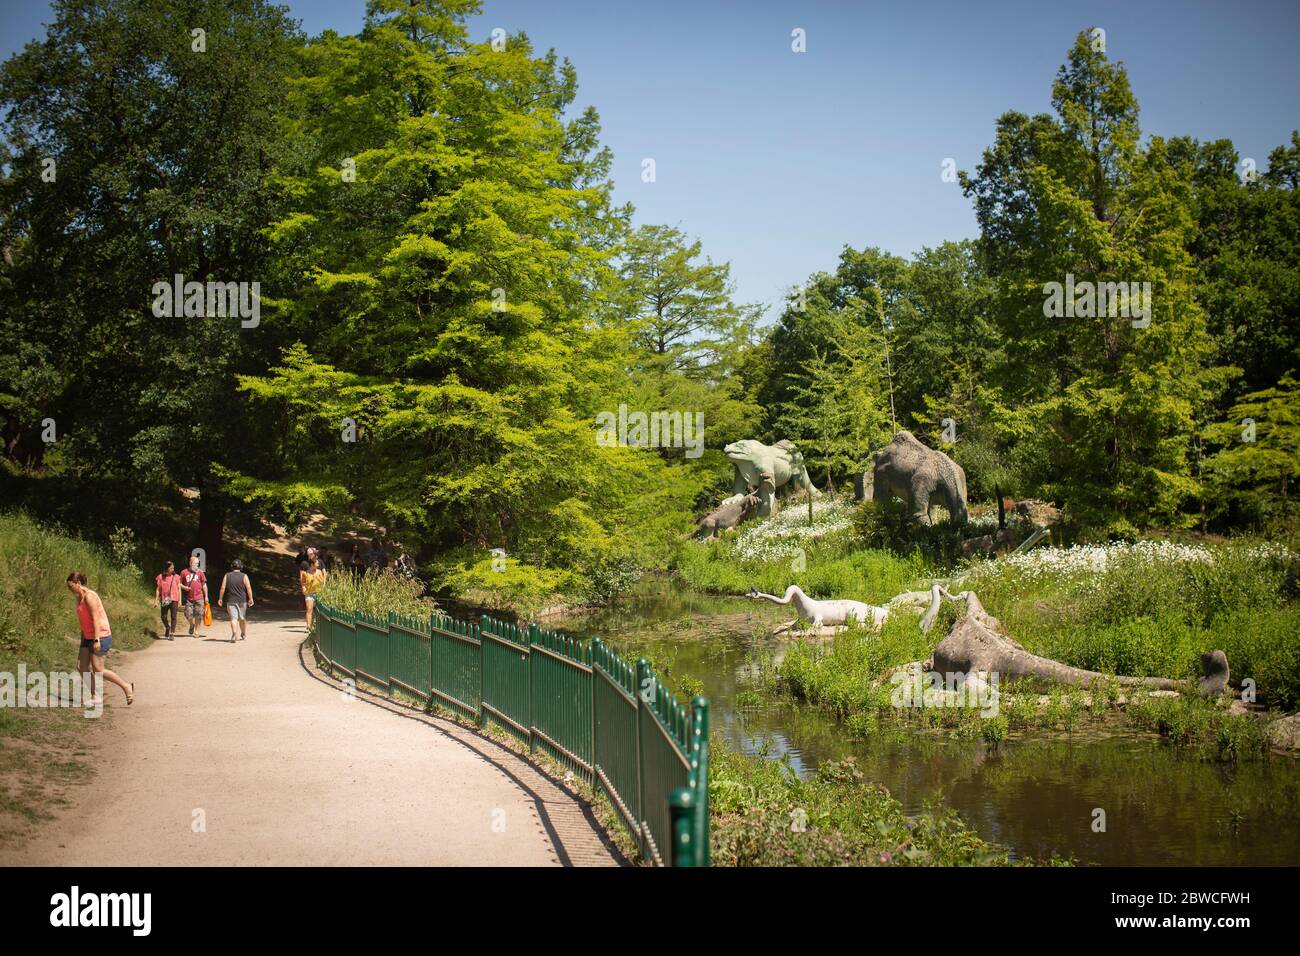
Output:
x=283 y=768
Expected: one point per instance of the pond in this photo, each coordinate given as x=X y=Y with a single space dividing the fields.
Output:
x=1036 y=795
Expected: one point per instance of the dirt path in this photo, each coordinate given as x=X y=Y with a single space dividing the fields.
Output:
x=282 y=768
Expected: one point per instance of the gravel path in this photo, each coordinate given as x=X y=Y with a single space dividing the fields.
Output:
x=244 y=754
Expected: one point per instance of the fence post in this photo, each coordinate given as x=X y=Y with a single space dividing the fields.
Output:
x=642 y=677
x=484 y=627
x=681 y=805
x=529 y=637
x=700 y=766
x=433 y=617
x=392 y=617
x=595 y=657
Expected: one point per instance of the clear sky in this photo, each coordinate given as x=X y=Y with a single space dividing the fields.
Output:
x=777 y=159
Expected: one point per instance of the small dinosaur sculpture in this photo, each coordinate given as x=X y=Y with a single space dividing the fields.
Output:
x=827 y=613
x=727 y=515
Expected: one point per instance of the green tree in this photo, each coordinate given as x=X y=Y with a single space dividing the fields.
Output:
x=687 y=336
x=1075 y=199
x=1259 y=462
x=444 y=296
x=135 y=156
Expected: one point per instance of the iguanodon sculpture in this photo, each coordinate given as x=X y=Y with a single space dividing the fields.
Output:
x=766 y=468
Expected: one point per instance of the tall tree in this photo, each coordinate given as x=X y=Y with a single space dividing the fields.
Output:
x=446 y=231
x=687 y=335
x=1073 y=199
x=139 y=134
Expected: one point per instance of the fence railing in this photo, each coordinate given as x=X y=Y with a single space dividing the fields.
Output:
x=612 y=723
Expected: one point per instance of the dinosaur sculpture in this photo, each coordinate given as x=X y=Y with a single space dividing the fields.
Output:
x=827 y=613
x=907 y=469
x=767 y=468
x=976 y=644
x=727 y=515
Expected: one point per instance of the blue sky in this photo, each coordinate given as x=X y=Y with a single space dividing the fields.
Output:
x=776 y=160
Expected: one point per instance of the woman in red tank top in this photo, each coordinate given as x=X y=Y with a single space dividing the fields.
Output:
x=96 y=638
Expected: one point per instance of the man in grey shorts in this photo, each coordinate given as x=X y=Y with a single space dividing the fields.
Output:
x=236 y=586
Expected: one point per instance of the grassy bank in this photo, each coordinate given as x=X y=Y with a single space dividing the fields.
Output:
x=45 y=751
x=763 y=815
x=38 y=623
x=823 y=558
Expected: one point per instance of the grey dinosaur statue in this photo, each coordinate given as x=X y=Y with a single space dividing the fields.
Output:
x=977 y=643
x=767 y=468
x=727 y=515
x=921 y=476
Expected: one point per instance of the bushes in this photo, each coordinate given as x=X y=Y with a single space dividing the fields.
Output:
x=889 y=525
x=503 y=583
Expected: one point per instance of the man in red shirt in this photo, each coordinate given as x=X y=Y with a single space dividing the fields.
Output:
x=194 y=585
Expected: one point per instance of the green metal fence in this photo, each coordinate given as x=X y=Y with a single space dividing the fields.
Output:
x=614 y=724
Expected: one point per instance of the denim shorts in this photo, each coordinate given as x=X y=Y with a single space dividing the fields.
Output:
x=237 y=612
x=105 y=645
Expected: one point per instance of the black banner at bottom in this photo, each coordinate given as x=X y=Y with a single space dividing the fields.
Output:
x=343 y=905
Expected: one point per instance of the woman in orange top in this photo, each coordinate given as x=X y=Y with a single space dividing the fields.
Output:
x=96 y=638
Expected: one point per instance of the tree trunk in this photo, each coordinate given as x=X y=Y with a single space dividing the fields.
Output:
x=212 y=526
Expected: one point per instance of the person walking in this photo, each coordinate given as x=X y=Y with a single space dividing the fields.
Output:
x=357 y=563
x=311 y=581
x=167 y=598
x=96 y=640
x=238 y=587
x=194 y=583
x=376 y=557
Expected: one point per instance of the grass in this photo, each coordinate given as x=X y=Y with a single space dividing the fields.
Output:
x=763 y=815
x=38 y=622
x=376 y=592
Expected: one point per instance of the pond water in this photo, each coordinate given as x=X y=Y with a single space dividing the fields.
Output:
x=1035 y=795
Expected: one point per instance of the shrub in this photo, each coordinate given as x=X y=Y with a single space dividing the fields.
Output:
x=375 y=592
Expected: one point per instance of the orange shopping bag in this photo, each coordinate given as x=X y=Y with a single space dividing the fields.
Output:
x=207 y=614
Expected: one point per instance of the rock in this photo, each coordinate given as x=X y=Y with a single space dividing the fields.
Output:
x=989 y=544
x=1284 y=733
